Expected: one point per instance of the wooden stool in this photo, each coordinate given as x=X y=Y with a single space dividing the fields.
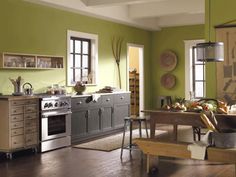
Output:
x=130 y=120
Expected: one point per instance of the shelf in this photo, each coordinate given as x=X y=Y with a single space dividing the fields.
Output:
x=134 y=89
x=30 y=61
x=49 y=62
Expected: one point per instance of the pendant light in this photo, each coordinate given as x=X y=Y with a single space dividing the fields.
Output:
x=209 y=51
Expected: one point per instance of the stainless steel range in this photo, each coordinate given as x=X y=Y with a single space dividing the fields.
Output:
x=55 y=122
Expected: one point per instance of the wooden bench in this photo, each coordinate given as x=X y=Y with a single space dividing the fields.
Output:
x=152 y=147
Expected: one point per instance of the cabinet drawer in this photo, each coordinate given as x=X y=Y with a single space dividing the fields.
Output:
x=30 y=122
x=16 y=117
x=77 y=103
x=17 y=110
x=122 y=98
x=17 y=102
x=31 y=116
x=17 y=124
x=31 y=139
x=31 y=101
x=31 y=108
x=32 y=129
x=95 y=100
x=17 y=131
x=17 y=141
x=107 y=99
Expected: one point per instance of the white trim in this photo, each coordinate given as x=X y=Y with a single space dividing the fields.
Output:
x=141 y=74
x=94 y=52
x=188 y=65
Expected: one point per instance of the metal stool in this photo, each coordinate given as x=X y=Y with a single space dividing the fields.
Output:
x=197 y=132
x=130 y=120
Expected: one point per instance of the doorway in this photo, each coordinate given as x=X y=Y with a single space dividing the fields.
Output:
x=135 y=77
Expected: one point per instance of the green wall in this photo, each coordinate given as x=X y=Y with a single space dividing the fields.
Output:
x=31 y=28
x=221 y=12
x=171 y=39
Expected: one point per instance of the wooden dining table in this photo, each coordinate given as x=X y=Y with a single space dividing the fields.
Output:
x=186 y=118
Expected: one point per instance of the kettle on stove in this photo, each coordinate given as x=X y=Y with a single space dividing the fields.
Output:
x=28 y=89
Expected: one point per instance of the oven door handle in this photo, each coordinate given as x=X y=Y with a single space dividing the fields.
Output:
x=52 y=113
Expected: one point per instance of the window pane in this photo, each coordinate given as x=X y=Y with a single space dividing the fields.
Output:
x=77 y=75
x=85 y=47
x=71 y=61
x=71 y=46
x=195 y=57
x=71 y=74
x=199 y=89
x=85 y=61
x=77 y=60
x=199 y=72
x=197 y=62
x=77 y=46
x=85 y=74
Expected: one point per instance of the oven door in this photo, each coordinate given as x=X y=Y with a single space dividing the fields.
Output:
x=55 y=124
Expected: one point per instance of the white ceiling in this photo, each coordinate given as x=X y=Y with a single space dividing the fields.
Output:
x=145 y=14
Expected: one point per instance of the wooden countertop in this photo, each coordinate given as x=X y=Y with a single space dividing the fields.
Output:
x=159 y=111
x=12 y=97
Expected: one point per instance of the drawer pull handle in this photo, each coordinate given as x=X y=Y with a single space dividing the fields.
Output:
x=79 y=102
x=108 y=99
x=122 y=98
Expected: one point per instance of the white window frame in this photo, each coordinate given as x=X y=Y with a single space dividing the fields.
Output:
x=189 y=66
x=94 y=55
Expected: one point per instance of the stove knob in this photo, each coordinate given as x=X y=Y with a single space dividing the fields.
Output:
x=56 y=104
x=61 y=104
x=46 y=105
x=65 y=103
x=50 y=105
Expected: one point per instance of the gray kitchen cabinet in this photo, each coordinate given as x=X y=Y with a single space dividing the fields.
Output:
x=107 y=112
x=106 y=118
x=79 y=123
x=91 y=119
x=94 y=120
x=121 y=109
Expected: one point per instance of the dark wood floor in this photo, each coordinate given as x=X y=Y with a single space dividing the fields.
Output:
x=73 y=162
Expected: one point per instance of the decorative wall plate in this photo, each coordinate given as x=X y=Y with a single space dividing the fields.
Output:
x=168 y=81
x=168 y=60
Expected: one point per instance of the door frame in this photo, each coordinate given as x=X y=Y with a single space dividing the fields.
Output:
x=141 y=74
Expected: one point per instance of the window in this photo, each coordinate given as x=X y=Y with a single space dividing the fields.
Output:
x=82 y=58
x=198 y=77
x=194 y=73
